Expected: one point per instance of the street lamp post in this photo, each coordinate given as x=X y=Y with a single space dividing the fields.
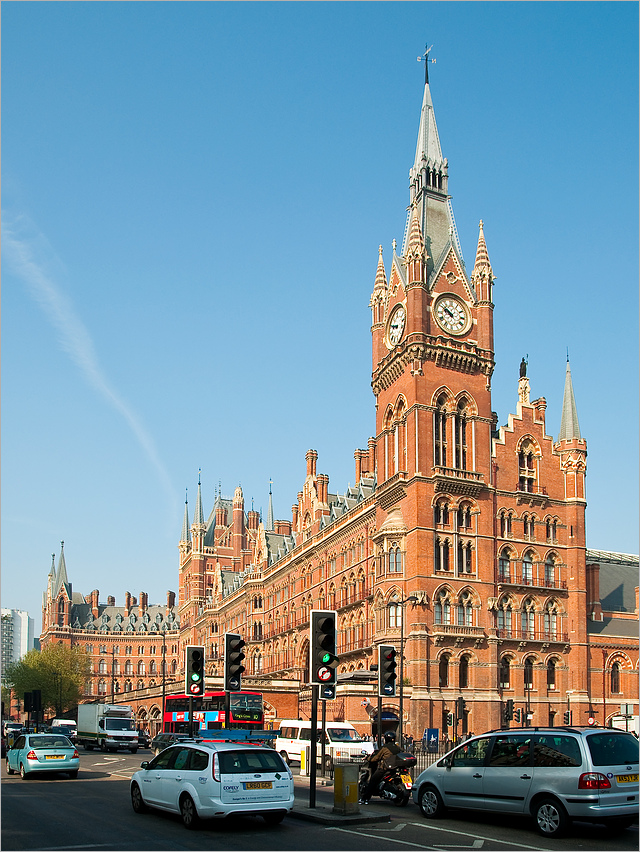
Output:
x=411 y=599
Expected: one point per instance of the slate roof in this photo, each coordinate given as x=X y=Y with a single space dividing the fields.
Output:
x=618 y=579
x=112 y=619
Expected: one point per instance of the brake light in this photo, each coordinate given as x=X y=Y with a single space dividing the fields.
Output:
x=593 y=781
x=32 y=755
x=75 y=754
x=215 y=769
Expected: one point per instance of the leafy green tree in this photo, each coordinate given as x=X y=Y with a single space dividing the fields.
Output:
x=58 y=671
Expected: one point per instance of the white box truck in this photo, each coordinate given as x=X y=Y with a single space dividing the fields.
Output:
x=108 y=727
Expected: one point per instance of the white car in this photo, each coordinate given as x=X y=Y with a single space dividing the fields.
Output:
x=205 y=780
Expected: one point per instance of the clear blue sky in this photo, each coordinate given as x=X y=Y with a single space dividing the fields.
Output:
x=193 y=199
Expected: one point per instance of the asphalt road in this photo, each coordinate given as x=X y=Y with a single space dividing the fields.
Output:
x=94 y=813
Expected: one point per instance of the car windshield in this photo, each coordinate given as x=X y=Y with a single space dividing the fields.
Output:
x=613 y=749
x=49 y=742
x=119 y=724
x=343 y=734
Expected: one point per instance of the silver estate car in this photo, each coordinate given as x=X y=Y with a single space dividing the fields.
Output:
x=204 y=780
x=553 y=775
x=43 y=753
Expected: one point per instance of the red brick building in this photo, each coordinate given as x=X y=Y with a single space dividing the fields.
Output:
x=481 y=527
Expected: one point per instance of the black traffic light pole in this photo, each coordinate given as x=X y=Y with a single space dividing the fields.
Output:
x=314 y=745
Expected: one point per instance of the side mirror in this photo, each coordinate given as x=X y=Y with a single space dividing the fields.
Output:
x=448 y=761
x=144 y=764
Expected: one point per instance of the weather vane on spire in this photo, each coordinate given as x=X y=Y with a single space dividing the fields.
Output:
x=425 y=58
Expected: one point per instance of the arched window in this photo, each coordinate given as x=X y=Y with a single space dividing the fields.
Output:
x=465 y=557
x=140 y=667
x=505 y=673
x=526 y=466
x=527 y=619
x=465 y=611
x=102 y=667
x=551 y=674
x=128 y=667
x=395 y=559
x=615 y=677
x=127 y=686
x=116 y=667
x=440 y=431
x=61 y=612
x=152 y=667
x=460 y=436
x=550 y=618
x=174 y=666
x=464 y=517
x=463 y=672
x=140 y=684
x=443 y=671
x=102 y=687
x=395 y=615
x=528 y=673
x=504 y=566
x=527 y=568
x=549 y=572
x=442 y=554
x=504 y=616
x=441 y=513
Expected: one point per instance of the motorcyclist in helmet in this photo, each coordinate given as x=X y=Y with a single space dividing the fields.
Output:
x=379 y=762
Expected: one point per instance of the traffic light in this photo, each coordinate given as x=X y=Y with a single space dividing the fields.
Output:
x=233 y=657
x=194 y=670
x=387 y=671
x=27 y=702
x=517 y=715
x=36 y=700
x=507 y=715
x=449 y=719
x=460 y=705
x=322 y=658
x=566 y=717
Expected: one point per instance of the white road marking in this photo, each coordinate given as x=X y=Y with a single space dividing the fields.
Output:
x=477 y=839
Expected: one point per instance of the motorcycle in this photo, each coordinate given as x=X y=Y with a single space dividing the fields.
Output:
x=395 y=785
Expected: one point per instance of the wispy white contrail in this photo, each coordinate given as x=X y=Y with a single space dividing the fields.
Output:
x=21 y=254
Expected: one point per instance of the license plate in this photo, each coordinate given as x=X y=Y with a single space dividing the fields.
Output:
x=627 y=779
x=258 y=785
x=406 y=779
x=54 y=757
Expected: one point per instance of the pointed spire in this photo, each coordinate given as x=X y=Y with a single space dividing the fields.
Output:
x=482 y=276
x=428 y=186
x=198 y=516
x=569 y=426
x=186 y=532
x=380 y=283
x=415 y=242
x=52 y=570
x=61 y=576
x=270 y=511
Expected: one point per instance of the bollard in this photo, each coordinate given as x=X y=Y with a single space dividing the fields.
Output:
x=345 y=788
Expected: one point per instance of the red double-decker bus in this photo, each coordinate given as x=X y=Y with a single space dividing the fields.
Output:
x=246 y=712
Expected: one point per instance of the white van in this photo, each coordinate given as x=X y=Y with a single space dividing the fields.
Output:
x=342 y=741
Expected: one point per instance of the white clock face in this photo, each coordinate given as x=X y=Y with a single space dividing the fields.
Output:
x=451 y=315
x=396 y=326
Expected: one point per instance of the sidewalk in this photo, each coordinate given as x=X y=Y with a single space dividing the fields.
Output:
x=323 y=812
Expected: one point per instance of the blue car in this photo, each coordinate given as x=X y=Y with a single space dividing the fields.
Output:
x=43 y=753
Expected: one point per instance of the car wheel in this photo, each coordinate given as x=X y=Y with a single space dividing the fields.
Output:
x=285 y=757
x=137 y=802
x=273 y=819
x=551 y=818
x=23 y=772
x=431 y=803
x=10 y=771
x=188 y=812
x=134 y=751
x=88 y=748
x=73 y=774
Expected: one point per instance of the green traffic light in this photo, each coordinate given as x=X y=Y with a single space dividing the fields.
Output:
x=195 y=677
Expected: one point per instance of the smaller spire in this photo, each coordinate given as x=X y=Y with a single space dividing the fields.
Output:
x=482 y=276
x=381 y=275
x=415 y=241
x=270 y=510
x=52 y=570
x=569 y=426
x=198 y=516
x=61 y=576
x=186 y=532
